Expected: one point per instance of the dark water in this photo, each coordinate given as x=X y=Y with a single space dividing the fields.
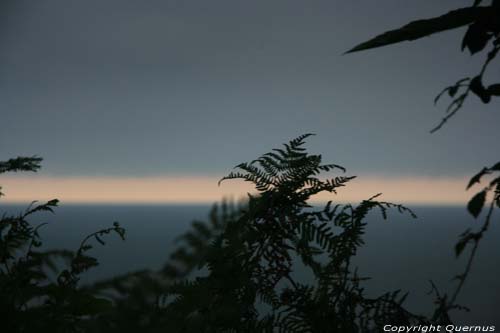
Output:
x=401 y=253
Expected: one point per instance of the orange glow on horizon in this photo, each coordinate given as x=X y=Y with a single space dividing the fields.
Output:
x=204 y=189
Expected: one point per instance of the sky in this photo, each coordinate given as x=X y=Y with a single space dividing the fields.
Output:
x=152 y=101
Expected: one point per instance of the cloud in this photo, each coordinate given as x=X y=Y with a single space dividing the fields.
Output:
x=204 y=189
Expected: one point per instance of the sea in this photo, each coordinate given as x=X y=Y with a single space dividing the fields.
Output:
x=400 y=253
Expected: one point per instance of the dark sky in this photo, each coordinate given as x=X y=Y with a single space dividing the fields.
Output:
x=133 y=88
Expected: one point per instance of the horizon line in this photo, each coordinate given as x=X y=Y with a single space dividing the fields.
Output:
x=200 y=189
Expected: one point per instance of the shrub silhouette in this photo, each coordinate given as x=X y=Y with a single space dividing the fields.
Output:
x=234 y=273
x=32 y=301
x=247 y=254
x=252 y=260
x=483 y=32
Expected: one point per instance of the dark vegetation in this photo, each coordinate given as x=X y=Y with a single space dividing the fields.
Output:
x=37 y=295
x=243 y=262
x=235 y=273
x=482 y=33
x=249 y=253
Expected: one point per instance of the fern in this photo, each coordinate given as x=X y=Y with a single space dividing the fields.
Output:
x=32 y=300
x=253 y=256
x=227 y=270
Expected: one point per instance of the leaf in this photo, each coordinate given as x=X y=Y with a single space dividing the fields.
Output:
x=460 y=246
x=495 y=183
x=452 y=91
x=21 y=163
x=476 y=204
x=46 y=207
x=465 y=238
x=476 y=86
x=477 y=177
x=421 y=28
x=496 y=167
x=476 y=38
x=494 y=89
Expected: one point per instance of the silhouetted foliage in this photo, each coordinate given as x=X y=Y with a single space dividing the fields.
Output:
x=37 y=295
x=191 y=254
x=483 y=30
x=235 y=272
x=244 y=259
x=20 y=164
x=139 y=297
x=252 y=261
